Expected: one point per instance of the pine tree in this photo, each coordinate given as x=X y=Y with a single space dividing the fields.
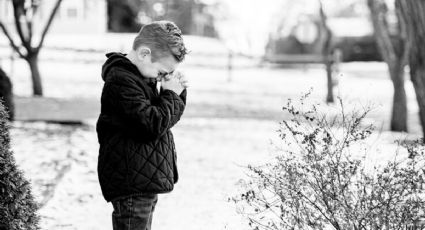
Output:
x=17 y=205
x=6 y=94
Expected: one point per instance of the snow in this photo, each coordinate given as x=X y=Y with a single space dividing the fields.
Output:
x=235 y=128
x=209 y=171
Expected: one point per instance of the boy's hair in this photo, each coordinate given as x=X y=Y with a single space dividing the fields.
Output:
x=163 y=38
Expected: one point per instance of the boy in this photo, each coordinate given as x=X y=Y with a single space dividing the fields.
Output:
x=137 y=156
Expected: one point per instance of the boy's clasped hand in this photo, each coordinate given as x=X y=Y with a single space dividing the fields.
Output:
x=176 y=82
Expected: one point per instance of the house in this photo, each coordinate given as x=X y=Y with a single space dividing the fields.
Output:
x=73 y=16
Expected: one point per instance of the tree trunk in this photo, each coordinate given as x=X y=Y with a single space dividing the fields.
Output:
x=393 y=52
x=414 y=21
x=35 y=75
x=327 y=52
x=399 y=109
x=329 y=73
x=417 y=74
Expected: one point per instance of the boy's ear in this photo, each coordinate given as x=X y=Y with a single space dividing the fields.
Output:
x=143 y=52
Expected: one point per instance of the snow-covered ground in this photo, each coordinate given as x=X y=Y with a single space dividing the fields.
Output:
x=212 y=153
x=61 y=161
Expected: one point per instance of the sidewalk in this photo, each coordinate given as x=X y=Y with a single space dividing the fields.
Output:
x=56 y=110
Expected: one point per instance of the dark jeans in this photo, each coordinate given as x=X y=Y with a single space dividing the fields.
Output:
x=134 y=213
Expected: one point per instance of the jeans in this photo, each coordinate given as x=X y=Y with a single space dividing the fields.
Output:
x=134 y=213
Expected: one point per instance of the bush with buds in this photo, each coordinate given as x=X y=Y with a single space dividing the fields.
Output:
x=319 y=179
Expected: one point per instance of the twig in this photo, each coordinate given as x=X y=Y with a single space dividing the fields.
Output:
x=9 y=37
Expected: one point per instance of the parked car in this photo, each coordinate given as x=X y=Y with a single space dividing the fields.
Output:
x=353 y=36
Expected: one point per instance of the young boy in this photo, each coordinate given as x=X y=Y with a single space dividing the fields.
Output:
x=137 y=156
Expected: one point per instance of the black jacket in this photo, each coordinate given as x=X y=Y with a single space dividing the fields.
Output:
x=137 y=153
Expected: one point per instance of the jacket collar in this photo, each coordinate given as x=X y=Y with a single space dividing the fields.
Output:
x=120 y=59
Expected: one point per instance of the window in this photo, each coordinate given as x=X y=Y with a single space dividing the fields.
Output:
x=6 y=11
x=5 y=5
x=72 y=12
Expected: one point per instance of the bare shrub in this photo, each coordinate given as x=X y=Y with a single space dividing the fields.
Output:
x=321 y=179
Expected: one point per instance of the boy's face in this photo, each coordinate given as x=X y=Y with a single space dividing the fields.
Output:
x=158 y=68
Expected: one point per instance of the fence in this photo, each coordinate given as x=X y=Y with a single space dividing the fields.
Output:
x=227 y=61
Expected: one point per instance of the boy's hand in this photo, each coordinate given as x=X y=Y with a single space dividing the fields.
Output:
x=182 y=79
x=173 y=84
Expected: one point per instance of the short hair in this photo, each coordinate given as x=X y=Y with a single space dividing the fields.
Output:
x=163 y=38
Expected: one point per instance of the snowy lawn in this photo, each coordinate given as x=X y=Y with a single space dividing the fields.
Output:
x=211 y=155
x=227 y=126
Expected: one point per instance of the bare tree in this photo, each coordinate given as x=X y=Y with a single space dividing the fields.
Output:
x=394 y=52
x=413 y=19
x=327 y=52
x=24 y=12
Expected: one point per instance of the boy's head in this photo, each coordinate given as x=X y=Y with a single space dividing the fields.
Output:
x=159 y=48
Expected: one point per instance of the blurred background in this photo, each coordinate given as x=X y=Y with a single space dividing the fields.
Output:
x=247 y=58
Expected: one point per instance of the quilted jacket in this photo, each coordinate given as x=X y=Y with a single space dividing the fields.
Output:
x=137 y=153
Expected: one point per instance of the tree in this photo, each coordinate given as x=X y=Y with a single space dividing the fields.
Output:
x=182 y=12
x=6 y=94
x=122 y=15
x=394 y=52
x=24 y=12
x=413 y=20
x=193 y=17
x=17 y=205
x=327 y=52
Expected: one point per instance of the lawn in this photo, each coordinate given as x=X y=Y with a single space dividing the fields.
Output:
x=227 y=125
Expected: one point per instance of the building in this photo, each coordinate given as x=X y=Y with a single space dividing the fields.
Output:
x=73 y=16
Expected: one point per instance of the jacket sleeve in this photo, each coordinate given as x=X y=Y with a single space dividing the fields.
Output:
x=183 y=96
x=130 y=101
